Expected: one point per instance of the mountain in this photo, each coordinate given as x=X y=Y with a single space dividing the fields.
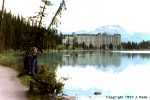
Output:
x=116 y=29
x=111 y=29
x=125 y=35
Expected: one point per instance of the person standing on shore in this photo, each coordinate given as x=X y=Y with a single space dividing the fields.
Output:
x=34 y=67
x=30 y=61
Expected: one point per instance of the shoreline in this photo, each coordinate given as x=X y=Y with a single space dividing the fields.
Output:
x=100 y=50
x=10 y=85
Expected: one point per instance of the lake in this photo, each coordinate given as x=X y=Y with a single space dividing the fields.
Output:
x=116 y=75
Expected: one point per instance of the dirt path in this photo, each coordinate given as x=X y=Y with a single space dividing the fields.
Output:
x=10 y=86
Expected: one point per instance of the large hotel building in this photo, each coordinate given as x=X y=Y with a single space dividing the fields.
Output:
x=96 y=40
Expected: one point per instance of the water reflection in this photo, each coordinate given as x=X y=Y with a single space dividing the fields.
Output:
x=110 y=73
x=95 y=59
x=99 y=59
x=52 y=57
x=133 y=81
x=135 y=55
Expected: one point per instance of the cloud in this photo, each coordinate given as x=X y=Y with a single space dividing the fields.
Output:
x=126 y=82
x=22 y=7
x=133 y=15
x=88 y=14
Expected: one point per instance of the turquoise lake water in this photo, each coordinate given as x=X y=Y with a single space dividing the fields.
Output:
x=123 y=74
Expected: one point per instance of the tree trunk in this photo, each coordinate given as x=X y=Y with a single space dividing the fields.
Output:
x=1 y=33
x=2 y=13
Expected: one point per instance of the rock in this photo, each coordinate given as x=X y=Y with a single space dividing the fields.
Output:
x=97 y=93
x=69 y=98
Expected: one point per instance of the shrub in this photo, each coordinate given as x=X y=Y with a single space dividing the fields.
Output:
x=45 y=82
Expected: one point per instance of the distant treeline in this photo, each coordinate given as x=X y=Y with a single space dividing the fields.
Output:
x=17 y=33
x=134 y=45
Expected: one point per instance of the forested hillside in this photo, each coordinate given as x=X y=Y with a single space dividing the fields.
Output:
x=18 y=33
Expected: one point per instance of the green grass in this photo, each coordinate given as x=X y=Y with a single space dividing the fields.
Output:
x=14 y=60
x=11 y=59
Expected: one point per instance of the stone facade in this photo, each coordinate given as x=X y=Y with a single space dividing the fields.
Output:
x=96 y=40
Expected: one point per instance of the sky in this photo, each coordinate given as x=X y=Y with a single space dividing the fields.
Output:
x=132 y=15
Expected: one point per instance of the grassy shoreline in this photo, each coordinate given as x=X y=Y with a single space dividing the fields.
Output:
x=14 y=60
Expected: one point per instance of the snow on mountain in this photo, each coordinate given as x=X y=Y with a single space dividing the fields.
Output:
x=116 y=29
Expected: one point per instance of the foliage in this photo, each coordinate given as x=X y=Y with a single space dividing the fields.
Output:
x=13 y=60
x=75 y=43
x=17 y=33
x=104 y=46
x=84 y=46
x=134 y=45
x=45 y=82
x=1 y=15
x=91 y=46
x=111 y=46
x=57 y=15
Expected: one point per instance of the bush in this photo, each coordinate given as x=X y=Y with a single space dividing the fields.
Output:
x=45 y=82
